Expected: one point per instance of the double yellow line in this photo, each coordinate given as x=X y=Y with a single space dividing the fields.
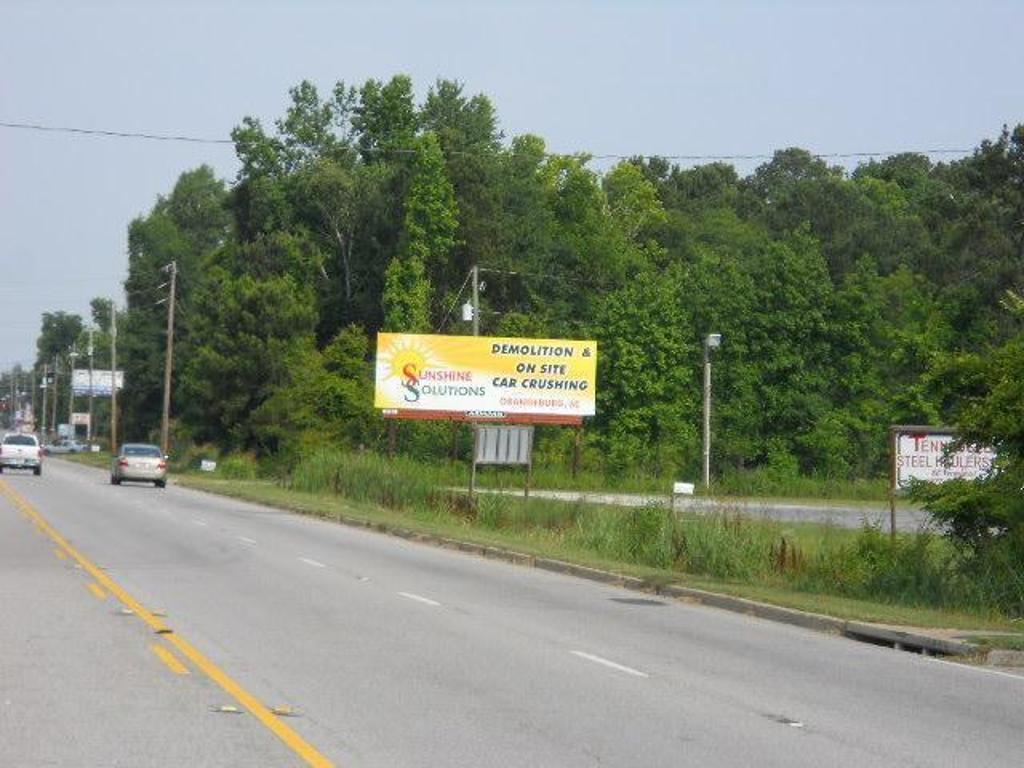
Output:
x=296 y=743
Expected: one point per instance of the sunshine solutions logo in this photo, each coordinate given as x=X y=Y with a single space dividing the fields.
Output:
x=420 y=374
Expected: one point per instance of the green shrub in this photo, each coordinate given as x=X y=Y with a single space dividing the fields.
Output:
x=238 y=466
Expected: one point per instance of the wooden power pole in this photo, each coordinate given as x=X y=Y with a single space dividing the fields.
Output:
x=168 y=361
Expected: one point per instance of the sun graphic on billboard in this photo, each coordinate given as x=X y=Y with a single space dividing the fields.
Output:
x=406 y=359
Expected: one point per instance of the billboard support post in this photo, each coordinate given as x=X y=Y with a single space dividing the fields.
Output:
x=472 y=461
x=577 y=446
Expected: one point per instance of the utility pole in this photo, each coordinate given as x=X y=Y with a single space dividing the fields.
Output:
x=165 y=423
x=32 y=398
x=72 y=355
x=56 y=390
x=88 y=427
x=113 y=378
x=476 y=332
x=476 y=300
x=46 y=387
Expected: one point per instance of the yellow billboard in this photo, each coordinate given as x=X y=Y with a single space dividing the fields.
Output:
x=485 y=376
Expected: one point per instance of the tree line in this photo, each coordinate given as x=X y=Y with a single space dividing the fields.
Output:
x=847 y=300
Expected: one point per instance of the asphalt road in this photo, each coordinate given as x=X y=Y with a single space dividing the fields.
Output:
x=398 y=654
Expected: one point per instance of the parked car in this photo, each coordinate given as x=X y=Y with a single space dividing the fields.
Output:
x=139 y=461
x=63 y=446
x=21 y=451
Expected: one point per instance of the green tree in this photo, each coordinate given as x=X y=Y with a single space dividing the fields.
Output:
x=254 y=313
x=646 y=403
x=385 y=120
x=183 y=227
x=431 y=221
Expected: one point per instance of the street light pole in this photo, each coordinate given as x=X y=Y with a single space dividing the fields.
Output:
x=711 y=341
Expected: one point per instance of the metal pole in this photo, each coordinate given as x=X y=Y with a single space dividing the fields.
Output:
x=707 y=417
x=113 y=378
x=88 y=427
x=165 y=423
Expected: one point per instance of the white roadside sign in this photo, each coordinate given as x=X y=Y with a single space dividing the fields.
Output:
x=925 y=455
x=99 y=381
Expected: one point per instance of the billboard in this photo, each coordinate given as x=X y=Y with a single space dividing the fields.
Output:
x=923 y=454
x=100 y=382
x=426 y=376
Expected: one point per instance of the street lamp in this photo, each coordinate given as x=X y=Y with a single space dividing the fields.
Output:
x=711 y=341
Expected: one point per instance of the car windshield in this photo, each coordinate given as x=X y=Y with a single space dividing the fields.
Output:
x=19 y=440
x=142 y=450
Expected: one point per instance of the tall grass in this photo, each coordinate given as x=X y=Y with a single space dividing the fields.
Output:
x=397 y=483
x=913 y=569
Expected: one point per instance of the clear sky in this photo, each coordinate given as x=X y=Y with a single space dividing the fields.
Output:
x=641 y=77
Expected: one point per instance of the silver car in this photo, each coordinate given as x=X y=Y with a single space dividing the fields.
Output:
x=138 y=461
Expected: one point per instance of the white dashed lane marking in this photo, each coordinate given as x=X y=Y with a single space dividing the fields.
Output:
x=609 y=664
x=420 y=599
x=314 y=563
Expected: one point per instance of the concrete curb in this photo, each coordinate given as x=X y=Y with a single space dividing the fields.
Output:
x=855 y=630
x=865 y=632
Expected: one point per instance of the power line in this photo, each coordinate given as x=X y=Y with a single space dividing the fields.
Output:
x=114 y=134
x=151 y=136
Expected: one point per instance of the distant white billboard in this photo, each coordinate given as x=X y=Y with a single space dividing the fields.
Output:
x=99 y=383
x=924 y=453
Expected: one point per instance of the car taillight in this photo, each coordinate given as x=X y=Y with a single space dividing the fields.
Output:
x=162 y=465
x=122 y=462
x=40 y=453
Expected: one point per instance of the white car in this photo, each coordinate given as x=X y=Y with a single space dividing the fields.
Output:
x=139 y=461
x=21 y=451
